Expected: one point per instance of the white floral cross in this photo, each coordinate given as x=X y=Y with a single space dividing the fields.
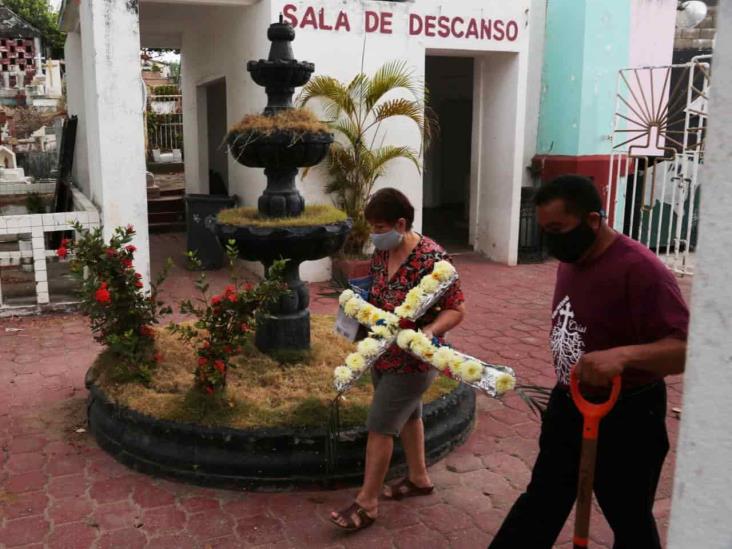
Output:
x=388 y=328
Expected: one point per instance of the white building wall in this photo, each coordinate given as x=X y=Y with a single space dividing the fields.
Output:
x=75 y=104
x=702 y=505
x=218 y=41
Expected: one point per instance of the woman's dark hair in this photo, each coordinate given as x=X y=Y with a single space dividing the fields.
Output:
x=578 y=193
x=388 y=206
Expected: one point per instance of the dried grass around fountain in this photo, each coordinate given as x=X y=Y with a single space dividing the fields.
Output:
x=295 y=121
x=316 y=214
x=261 y=392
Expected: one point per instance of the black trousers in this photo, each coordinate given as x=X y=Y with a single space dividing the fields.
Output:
x=632 y=445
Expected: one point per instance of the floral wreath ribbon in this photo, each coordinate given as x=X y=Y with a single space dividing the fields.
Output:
x=387 y=328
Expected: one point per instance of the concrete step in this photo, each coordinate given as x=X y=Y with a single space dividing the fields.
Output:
x=164 y=227
x=166 y=204
x=166 y=217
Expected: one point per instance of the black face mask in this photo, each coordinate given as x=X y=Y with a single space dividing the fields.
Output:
x=570 y=246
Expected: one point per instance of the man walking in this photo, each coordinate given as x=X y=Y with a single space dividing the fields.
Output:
x=617 y=311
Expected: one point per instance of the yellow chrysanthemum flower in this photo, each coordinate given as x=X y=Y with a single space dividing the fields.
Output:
x=405 y=337
x=368 y=347
x=429 y=284
x=345 y=297
x=471 y=370
x=342 y=374
x=442 y=358
x=504 y=382
x=355 y=362
x=352 y=306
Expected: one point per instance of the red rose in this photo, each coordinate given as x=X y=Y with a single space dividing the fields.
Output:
x=127 y=262
x=130 y=229
x=248 y=287
x=230 y=289
x=244 y=328
x=139 y=284
x=138 y=275
x=130 y=248
x=202 y=361
x=102 y=295
x=111 y=252
x=406 y=324
x=232 y=298
x=215 y=300
x=62 y=252
x=220 y=366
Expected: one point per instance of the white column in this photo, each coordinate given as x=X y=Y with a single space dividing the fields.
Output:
x=75 y=104
x=701 y=515
x=113 y=92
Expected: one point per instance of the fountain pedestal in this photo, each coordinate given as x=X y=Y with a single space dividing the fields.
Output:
x=281 y=153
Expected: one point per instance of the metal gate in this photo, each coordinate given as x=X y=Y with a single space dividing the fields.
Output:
x=657 y=147
x=164 y=122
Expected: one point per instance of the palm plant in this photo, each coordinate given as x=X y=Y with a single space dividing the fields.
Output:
x=356 y=112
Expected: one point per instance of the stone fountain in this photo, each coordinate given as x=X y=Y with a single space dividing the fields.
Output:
x=281 y=153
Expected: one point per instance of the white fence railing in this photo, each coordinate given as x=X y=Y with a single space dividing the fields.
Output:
x=37 y=225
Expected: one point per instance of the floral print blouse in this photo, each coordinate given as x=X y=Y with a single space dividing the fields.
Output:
x=387 y=294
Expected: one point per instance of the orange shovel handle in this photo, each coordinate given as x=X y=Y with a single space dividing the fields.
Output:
x=592 y=414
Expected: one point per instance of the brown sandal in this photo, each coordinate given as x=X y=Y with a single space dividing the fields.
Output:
x=405 y=488
x=365 y=520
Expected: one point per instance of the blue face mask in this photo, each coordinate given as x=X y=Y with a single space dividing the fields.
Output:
x=388 y=240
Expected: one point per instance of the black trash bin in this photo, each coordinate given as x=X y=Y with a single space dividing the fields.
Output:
x=201 y=211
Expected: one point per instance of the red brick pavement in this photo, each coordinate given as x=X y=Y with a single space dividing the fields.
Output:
x=58 y=489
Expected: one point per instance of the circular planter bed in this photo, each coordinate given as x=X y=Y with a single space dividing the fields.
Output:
x=272 y=458
x=271 y=428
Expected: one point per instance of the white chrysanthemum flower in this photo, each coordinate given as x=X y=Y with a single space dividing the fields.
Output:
x=456 y=365
x=414 y=298
x=471 y=370
x=405 y=337
x=429 y=284
x=504 y=382
x=423 y=349
x=356 y=362
x=442 y=358
x=342 y=374
x=365 y=313
x=368 y=347
x=404 y=310
x=381 y=331
x=391 y=319
x=345 y=297
x=443 y=270
x=421 y=338
x=352 y=306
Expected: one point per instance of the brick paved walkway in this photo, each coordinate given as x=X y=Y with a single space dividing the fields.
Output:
x=57 y=489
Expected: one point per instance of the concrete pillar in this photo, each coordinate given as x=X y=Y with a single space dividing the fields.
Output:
x=75 y=105
x=587 y=43
x=702 y=501
x=114 y=98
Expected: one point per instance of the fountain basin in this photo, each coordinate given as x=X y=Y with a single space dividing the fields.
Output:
x=283 y=149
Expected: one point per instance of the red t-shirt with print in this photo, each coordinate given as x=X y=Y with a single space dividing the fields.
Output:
x=388 y=294
x=627 y=296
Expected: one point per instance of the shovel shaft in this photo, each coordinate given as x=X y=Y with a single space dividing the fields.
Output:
x=585 y=483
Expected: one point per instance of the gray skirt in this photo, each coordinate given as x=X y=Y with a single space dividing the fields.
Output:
x=397 y=399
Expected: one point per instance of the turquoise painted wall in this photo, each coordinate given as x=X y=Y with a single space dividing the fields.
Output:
x=587 y=42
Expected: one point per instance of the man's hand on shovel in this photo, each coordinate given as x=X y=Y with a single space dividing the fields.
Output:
x=592 y=414
x=600 y=367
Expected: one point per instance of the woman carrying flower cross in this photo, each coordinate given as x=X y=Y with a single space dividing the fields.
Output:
x=402 y=258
